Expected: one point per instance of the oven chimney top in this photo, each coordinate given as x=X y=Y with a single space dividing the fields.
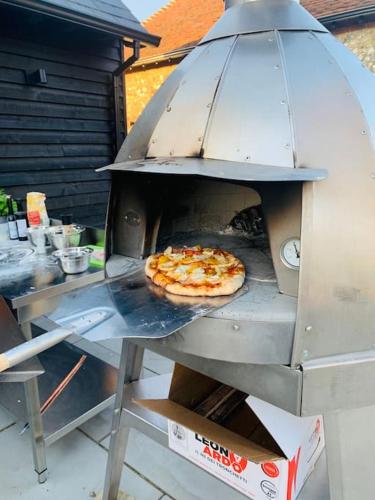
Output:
x=231 y=3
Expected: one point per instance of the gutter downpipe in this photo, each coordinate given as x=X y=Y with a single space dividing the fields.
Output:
x=119 y=110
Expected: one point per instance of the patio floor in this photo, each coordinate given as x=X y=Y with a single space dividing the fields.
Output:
x=76 y=463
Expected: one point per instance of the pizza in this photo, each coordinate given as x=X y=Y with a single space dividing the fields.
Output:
x=196 y=271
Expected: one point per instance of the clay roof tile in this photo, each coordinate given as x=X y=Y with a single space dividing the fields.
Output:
x=182 y=22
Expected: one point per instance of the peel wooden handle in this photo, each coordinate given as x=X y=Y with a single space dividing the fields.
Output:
x=4 y=362
x=32 y=347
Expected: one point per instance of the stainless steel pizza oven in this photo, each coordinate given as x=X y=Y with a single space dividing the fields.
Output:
x=261 y=141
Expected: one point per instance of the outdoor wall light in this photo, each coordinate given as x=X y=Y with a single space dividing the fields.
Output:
x=36 y=77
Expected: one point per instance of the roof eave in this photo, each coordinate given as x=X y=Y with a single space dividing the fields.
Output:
x=85 y=20
x=165 y=57
x=342 y=19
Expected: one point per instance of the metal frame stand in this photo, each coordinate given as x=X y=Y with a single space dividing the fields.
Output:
x=350 y=444
x=35 y=419
x=129 y=371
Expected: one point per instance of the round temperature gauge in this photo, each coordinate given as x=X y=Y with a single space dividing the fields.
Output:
x=290 y=252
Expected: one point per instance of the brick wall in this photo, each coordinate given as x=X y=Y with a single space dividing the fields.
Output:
x=141 y=86
x=362 y=42
x=143 y=83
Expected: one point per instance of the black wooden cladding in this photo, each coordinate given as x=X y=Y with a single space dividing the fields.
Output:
x=53 y=136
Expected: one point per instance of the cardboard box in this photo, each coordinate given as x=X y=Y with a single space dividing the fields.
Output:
x=260 y=450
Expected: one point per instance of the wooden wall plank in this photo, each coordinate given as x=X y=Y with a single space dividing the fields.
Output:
x=85 y=211
x=52 y=123
x=33 y=179
x=67 y=189
x=14 y=75
x=48 y=95
x=53 y=54
x=45 y=164
x=11 y=136
x=26 y=108
x=57 y=69
x=53 y=136
x=53 y=150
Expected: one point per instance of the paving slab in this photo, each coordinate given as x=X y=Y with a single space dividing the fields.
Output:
x=6 y=419
x=99 y=427
x=76 y=469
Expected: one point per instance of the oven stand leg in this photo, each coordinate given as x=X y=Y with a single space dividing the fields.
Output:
x=129 y=371
x=350 y=448
x=35 y=419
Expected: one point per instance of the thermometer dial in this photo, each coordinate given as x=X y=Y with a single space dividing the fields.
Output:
x=290 y=252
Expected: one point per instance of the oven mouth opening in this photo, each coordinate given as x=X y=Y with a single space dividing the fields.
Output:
x=184 y=211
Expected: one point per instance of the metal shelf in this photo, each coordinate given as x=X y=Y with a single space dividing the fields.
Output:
x=90 y=392
x=155 y=427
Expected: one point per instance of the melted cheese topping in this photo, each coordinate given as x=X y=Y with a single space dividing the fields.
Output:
x=197 y=266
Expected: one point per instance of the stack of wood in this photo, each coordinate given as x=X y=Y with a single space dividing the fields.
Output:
x=220 y=404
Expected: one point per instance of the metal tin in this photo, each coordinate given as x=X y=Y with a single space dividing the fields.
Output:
x=73 y=260
x=65 y=236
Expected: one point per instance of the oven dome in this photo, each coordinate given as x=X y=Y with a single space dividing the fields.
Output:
x=264 y=87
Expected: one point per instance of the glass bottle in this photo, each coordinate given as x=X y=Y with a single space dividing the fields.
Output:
x=11 y=219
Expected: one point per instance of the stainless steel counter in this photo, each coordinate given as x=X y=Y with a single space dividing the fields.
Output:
x=31 y=286
x=37 y=278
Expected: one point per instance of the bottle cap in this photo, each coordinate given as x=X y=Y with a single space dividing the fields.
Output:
x=66 y=219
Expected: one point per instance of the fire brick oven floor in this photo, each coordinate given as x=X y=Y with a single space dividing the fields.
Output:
x=77 y=462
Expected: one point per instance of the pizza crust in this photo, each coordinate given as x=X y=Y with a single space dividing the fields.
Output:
x=231 y=285
x=228 y=285
x=148 y=269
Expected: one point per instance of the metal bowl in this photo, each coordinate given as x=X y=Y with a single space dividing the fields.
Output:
x=68 y=236
x=73 y=260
